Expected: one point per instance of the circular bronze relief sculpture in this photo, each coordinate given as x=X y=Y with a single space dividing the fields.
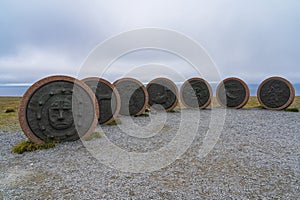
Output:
x=195 y=93
x=232 y=93
x=276 y=93
x=107 y=96
x=58 y=108
x=133 y=94
x=163 y=92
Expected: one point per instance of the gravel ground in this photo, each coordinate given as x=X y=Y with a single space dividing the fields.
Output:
x=257 y=156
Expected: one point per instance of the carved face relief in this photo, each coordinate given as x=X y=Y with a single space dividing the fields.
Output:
x=60 y=114
x=161 y=95
x=275 y=93
x=133 y=97
x=198 y=91
x=233 y=91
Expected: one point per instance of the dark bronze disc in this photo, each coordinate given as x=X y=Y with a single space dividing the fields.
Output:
x=163 y=92
x=133 y=94
x=232 y=93
x=195 y=93
x=58 y=108
x=107 y=96
x=276 y=93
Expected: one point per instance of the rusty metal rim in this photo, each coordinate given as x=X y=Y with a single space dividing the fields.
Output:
x=246 y=99
x=115 y=91
x=28 y=94
x=201 y=80
x=173 y=84
x=290 y=100
x=143 y=88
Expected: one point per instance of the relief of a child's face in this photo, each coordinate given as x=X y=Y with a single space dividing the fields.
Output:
x=60 y=114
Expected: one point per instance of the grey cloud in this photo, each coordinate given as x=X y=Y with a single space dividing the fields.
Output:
x=250 y=39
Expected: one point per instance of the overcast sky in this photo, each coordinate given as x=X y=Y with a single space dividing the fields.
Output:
x=248 y=39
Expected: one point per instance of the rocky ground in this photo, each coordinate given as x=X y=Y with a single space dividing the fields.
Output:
x=256 y=156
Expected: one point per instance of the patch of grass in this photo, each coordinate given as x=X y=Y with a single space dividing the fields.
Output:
x=142 y=115
x=296 y=103
x=8 y=119
x=260 y=107
x=10 y=110
x=9 y=122
x=253 y=103
x=93 y=135
x=115 y=122
x=292 y=109
x=28 y=146
x=9 y=102
x=173 y=111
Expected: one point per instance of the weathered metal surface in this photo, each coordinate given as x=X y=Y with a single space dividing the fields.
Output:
x=195 y=93
x=162 y=92
x=59 y=108
x=107 y=96
x=133 y=94
x=276 y=93
x=232 y=93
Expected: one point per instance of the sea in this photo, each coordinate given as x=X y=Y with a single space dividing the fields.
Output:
x=19 y=90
